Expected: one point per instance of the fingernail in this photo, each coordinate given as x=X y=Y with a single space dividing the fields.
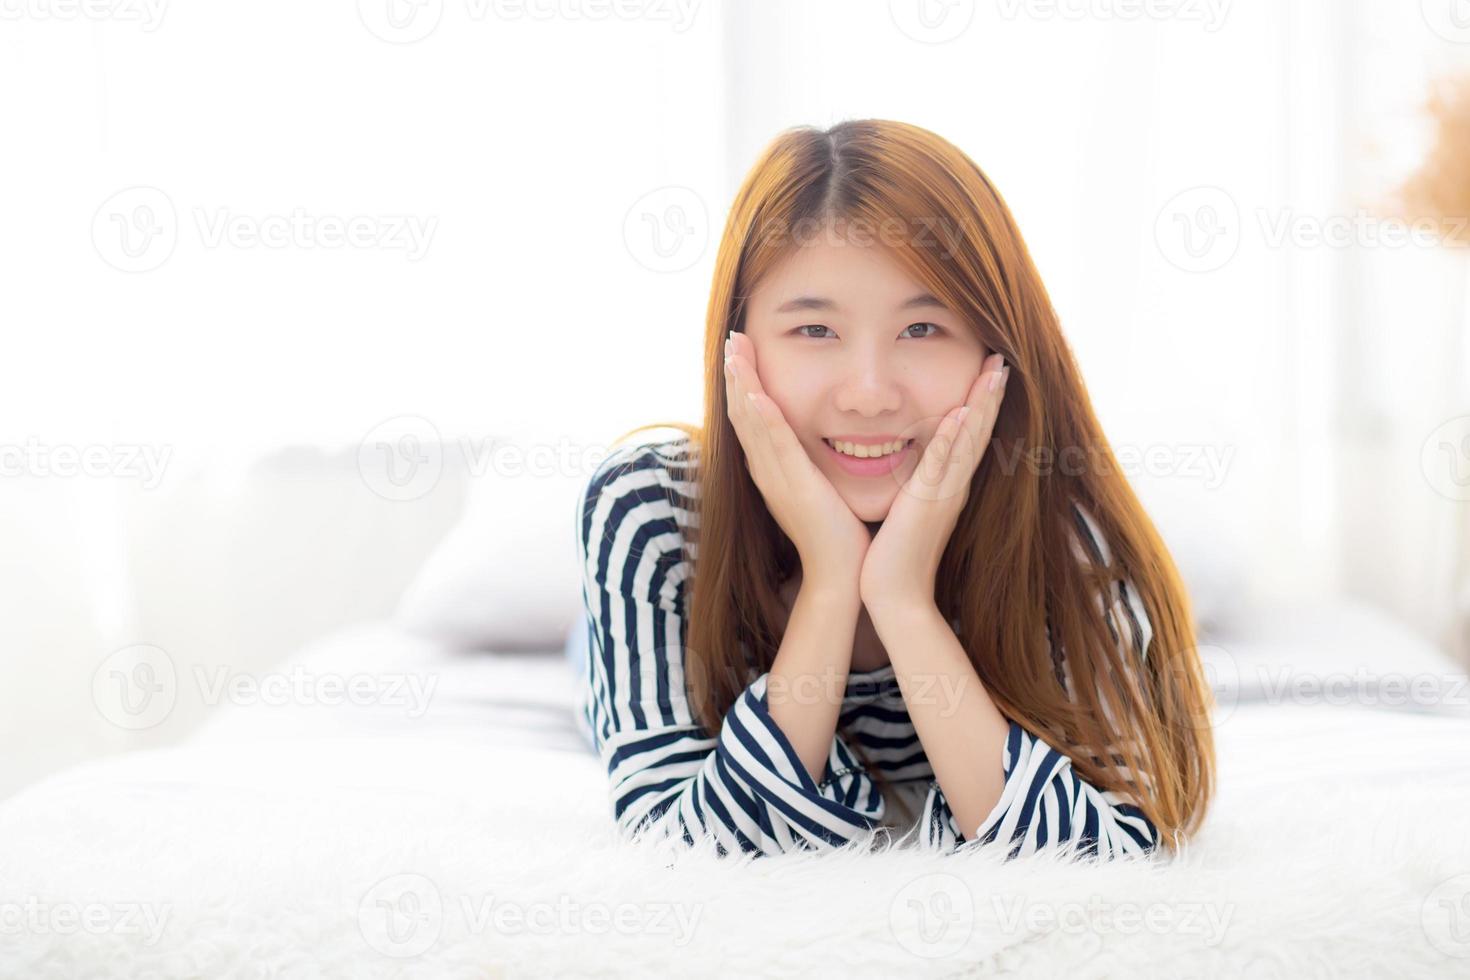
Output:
x=996 y=378
x=963 y=412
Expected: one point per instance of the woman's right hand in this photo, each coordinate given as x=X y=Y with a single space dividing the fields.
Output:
x=828 y=536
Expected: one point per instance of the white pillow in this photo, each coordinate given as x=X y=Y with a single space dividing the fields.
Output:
x=1203 y=530
x=507 y=576
x=1343 y=651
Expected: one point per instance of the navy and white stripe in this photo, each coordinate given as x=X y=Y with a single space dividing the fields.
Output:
x=744 y=786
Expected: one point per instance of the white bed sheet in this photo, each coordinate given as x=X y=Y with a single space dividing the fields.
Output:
x=508 y=699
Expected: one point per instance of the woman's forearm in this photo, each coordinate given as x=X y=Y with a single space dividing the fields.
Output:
x=809 y=675
x=962 y=731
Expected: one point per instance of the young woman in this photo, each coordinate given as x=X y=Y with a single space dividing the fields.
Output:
x=896 y=583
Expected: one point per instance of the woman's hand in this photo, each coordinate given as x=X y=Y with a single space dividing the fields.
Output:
x=903 y=559
x=827 y=534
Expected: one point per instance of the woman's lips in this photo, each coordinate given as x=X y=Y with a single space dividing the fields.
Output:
x=876 y=466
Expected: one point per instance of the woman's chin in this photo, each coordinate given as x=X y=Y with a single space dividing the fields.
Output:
x=871 y=509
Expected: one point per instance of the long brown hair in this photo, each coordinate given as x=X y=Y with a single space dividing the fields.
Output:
x=1013 y=573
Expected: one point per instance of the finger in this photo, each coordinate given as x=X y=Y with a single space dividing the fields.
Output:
x=770 y=441
x=784 y=444
x=983 y=401
x=957 y=465
x=749 y=425
x=935 y=463
x=783 y=441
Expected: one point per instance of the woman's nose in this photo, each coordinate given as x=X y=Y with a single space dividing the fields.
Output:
x=869 y=385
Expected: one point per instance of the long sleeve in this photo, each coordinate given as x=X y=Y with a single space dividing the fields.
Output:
x=668 y=776
x=1044 y=800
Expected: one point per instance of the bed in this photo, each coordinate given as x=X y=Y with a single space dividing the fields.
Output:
x=469 y=835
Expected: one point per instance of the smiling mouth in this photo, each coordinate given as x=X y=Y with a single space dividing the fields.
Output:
x=858 y=451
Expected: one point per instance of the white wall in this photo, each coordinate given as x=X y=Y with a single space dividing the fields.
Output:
x=567 y=177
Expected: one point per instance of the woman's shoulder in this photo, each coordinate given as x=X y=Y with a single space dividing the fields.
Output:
x=644 y=482
x=669 y=455
x=669 y=463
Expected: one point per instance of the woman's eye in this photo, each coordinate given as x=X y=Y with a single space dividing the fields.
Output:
x=913 y=325
x=819 y=326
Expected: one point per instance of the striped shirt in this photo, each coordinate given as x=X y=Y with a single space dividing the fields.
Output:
x=745 y=785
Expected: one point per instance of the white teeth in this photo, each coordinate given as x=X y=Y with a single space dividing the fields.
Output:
x=866 y=452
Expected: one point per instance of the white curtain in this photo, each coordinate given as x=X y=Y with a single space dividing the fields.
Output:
x=1169 y=174
x=537 y=188
x=1403 y=408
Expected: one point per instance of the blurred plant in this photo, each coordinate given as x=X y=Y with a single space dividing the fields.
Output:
x=1440 y=190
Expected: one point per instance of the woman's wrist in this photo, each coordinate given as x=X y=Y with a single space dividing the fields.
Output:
x=830 y=593
x=902 y=607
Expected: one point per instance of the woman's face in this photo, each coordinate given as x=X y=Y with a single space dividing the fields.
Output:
x=851 y=349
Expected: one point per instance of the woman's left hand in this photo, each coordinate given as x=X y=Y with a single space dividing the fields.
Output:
x=903 y=560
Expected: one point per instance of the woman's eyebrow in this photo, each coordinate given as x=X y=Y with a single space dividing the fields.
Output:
x=822 y=303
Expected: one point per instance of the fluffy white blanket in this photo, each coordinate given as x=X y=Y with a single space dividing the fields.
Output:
x=1337 y=847
x=427 y=858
